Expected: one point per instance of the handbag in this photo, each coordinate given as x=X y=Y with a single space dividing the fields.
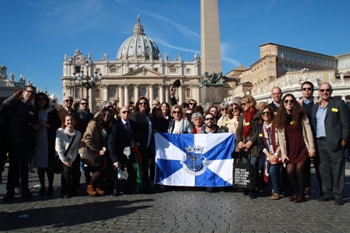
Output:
x=243 y=175
x=88 y=156
x=55 y=162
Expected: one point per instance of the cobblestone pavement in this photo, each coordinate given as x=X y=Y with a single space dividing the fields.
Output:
x=170 y=210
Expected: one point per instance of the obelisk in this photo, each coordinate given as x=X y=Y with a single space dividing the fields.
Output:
x=211 y=83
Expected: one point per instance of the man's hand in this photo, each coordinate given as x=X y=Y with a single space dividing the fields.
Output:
x=343 y=143
x=117 y=164
x=18 y=94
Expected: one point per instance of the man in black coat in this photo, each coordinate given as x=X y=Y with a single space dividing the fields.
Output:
x=330 y=121
x=124 y=134
x=20 y=133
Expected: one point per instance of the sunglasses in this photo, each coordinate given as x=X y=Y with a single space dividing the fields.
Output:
x=131 y=109
x=209 y=119
x=125 y=112
x=191 y=103
x=84 y=103
x=289 y=101
x=177 y=112
x=68 y=101
x=31 y=92
x=265 y=113
x=235 y=108
x=188 y=114
x=143 y=103
x=106 y=115
x=325 y=90
x=224 y=109
x=307 y=89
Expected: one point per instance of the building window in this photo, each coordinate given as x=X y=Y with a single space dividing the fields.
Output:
x=172 y=70
x=113 y=70
x=156 y=69
x=143 y=91
x=155 y=93
x=77 y=69
x=188 y=71
x=97 y=70
x=188 y=93
x=113 y=92
x=98 y=93
x=131 y=93
x=77 y=93
x=131 y=69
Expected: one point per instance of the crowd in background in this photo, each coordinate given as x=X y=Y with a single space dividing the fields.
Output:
x=280 y=140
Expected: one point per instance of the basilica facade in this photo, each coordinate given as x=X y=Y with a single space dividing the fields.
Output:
x=139 y=69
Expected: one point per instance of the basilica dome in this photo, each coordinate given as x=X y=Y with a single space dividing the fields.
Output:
x=138 y=46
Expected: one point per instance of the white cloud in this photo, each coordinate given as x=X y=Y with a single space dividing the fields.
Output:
x=225 y=51
x=69 y=19
x=166 y=44
x=271 y=4
x=184 y=30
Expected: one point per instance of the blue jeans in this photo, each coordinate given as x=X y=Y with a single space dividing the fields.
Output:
x=274 y=173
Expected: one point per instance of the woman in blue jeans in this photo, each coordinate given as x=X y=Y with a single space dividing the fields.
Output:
x=269 y=145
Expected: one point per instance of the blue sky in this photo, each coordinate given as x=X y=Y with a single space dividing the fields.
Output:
x=36 y=34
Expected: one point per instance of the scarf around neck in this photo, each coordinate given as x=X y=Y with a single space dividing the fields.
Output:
x=248 y=116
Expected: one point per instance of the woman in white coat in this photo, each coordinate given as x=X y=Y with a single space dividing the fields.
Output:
x=67 y=145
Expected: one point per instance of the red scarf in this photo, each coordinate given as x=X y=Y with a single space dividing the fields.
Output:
x=248 y=116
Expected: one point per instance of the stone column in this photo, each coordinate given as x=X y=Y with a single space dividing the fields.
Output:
x=210 y=37
x=126 y=92
x=151 y=95
x=137 y=92
x=91 y=99
x=161 y=93
x=167 y=94
x=181 y=94
x=120 y=93
x=105 y=92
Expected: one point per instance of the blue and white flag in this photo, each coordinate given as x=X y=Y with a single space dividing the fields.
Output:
x=202 y=160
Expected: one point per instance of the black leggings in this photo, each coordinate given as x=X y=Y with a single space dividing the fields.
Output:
x=296 y=175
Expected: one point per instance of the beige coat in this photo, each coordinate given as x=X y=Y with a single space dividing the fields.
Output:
x=307 y=134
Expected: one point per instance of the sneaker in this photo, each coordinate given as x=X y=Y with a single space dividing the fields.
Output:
x=275 y=196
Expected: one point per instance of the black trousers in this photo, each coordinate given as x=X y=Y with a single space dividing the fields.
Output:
x=19 y=154
x=332 y=170
x=70 y=177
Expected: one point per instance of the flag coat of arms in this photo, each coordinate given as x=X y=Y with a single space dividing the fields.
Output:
x=201 y=160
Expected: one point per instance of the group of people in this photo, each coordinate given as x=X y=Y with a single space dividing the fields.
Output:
x=284 y=136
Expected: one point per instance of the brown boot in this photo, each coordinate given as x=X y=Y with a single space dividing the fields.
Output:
x=90 y=191
x=99 y=190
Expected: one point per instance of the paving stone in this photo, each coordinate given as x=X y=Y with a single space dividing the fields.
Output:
x=172 y=210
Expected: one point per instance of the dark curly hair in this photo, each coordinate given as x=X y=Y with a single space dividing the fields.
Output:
x=99 y=119
x=137 y=108
x=298 y=113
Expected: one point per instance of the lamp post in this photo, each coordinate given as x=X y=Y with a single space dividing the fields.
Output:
x=86 y=81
